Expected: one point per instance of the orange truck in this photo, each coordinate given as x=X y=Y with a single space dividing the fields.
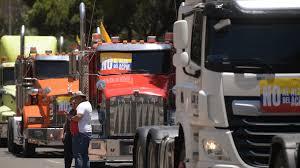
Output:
x=43 y=91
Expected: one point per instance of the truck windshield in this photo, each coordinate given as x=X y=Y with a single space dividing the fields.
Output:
x=8 y=76
x=261 y=45
x=51 y=69
x=153 y=62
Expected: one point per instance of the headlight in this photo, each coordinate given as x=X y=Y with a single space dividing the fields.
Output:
x=214 y=150
x=35 y=120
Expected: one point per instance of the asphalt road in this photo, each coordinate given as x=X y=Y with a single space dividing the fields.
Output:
x=44 y=158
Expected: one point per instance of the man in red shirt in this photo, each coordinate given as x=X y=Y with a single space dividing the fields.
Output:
x=70 y=129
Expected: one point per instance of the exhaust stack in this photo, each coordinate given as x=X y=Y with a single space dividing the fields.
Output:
x=22 y=40
x=61 y=43
x=82 y=26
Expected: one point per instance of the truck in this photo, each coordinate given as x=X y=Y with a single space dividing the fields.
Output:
x=43 y=92
x=237 y=86
x=9 y=48
x=129 y=85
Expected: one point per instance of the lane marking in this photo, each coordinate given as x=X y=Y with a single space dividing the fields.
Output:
x=52 y=161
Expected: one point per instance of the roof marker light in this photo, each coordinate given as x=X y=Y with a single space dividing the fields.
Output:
x=115 y=39
x=168 y=37
x=133 y=41
x=151 y=39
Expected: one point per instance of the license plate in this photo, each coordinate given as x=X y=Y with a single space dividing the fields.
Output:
x=96 y=145
x=280 y=95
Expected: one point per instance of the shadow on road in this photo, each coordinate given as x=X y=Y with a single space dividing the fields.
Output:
x=40 y=154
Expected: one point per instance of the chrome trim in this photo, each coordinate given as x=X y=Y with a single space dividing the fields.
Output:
x=129 y=112
x=246 y=107
x=269 y=124
x=258 y=144
x=261 y=133
x=120 y=47
x=82 y=26
x=52 y=58
x=45 y=136
x=253 y=108
x=22 y=41
x=259 y=154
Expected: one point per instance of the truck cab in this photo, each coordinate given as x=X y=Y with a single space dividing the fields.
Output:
x=237 y=80
x=129 y=86
x=7 y=96
x=9 y=50
x=43 y=91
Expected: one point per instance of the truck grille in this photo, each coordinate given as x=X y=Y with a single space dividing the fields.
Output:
x=129 y=112
x=58 y=120
x=253 y=135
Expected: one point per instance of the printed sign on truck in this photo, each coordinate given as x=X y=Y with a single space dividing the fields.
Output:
x=280 y=95
x=114 y=62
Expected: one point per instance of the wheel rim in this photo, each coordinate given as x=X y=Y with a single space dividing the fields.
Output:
x=170 y=155
x=140 y=157
x=152 y=159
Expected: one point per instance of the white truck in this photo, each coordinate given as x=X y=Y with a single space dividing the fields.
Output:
x=237 y=85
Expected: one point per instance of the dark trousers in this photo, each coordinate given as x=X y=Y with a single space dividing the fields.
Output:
x=68 y=154
x=80 y=146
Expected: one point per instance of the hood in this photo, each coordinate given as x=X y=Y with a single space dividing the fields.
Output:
x=58 y=86
x=10 y=89
x=125 y=84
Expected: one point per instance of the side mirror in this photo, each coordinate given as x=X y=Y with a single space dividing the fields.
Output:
x=180 y=29
x=181 y=59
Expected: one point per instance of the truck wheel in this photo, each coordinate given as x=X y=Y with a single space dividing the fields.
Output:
x=9 y=136
x=280 y=160
x=169 y=155
x=152 y=153
x=138 y=155
x=28 y=149
x=12 y=147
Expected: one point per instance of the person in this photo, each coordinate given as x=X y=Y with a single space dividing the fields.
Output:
x=81 y=141
x=67 y=138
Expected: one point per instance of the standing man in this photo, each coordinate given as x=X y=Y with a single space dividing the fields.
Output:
x=81 y=141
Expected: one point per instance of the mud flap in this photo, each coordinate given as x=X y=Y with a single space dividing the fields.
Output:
x=284 y=151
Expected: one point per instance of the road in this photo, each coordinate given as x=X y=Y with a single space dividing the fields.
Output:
x=44 y=158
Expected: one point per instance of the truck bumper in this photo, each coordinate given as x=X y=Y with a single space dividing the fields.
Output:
x=224 y=139
x=45 y=136
x=113 y=152
x=3 y=130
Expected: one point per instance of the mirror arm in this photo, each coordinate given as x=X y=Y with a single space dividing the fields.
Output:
x=195 y=75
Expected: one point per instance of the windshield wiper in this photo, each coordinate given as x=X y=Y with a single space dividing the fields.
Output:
x=251 y=65
x=241 y=65
x=137 y=71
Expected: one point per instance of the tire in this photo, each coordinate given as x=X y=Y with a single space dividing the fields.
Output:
x=12 y=147
x=139 y=159
x=28 y=149
x=152 y=155
x=280 y=160
x=9 y=136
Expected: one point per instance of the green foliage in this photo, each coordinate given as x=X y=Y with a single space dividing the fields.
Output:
x=126 y=18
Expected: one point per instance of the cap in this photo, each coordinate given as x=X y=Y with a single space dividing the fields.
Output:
x=78 y=94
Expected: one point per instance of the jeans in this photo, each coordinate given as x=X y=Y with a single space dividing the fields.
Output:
x=68 y=155
x=80 y=145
